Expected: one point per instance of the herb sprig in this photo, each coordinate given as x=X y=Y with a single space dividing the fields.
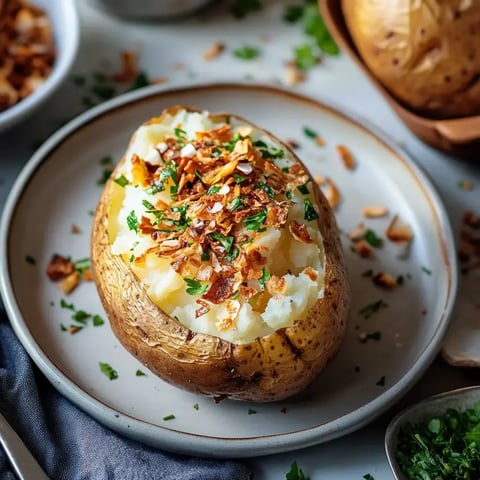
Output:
x=443 y=446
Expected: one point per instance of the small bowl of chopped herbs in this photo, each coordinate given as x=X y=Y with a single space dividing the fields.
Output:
x=438 y=438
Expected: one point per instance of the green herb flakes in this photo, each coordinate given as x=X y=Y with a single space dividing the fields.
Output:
x=169 y=417
x=373 y=239
x=31 y=260
x=309 y=211
x=194 y=287
x=310 y=133
x=305 y=57
x=246 y=52
x=196 y=407
x=105 y=176
x=266 y=188
x=226 y=242
x=251 y=411
x=139 y=373
x=97 y=321
x=241 y=8
x=121 y=180
x=367 y=476
x=295 y=473
x=372 y=308
x=445 y=446
x=236 y=203
x=303 y=189
x=132 y=221
x=140 y=81
x=293 y=13
x=426 y=270
x=81 y=316
x=264 y=278
x=314 y=26
x=254 y=222
x=108 y=371
x=213 y=189
x=181 y=136
x=65 y=304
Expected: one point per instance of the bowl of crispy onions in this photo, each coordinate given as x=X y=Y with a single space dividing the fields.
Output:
x=38 y=44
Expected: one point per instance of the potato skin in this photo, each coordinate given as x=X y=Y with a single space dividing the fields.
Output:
x=270 y=368
x=426 y=53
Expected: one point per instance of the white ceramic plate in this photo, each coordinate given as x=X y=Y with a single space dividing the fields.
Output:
x=59 y=188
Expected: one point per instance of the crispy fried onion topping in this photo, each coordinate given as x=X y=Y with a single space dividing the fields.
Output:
x=225 y=190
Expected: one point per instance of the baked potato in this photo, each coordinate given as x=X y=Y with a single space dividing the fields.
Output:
x=218 y=259
x=426 y=53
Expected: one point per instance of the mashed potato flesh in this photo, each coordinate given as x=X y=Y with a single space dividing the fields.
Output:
x=220 y=225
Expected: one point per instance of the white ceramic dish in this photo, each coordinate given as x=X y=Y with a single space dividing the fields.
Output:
x=58 y=188
x=64 y=19
x=459 y=399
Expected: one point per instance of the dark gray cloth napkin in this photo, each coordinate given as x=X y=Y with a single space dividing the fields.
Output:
x=70 y=445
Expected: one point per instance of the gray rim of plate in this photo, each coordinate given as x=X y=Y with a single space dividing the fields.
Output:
x=209 y=446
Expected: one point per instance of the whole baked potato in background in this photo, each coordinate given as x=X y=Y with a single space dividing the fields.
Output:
x=425 y=52
x=276 y=363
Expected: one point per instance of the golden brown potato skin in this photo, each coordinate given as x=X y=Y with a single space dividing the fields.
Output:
x=268 y=369
x=427 y=53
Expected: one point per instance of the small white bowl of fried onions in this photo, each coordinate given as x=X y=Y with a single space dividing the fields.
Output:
x=38 y=44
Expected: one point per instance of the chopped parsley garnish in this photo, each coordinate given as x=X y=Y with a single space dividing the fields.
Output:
x=196 y=407
x=288 y=194
x=103 y=92
x=140 y=81
x=314 y=26
x=97 y=321
x=309 y=212
x=241 y=8
x=293 y=13
x=105 y=176
x=64 y=304
x=229 y=146
x=444 y=446
x=232 y=255
x=303 y=189
x=226 y=242
x=194 y=287
x=139 y=373
x=108 y=371
x=169 y=417
x=106 y=160
x=426 y=270
x=305 y=58
x=121 y=180
x=309 y=132
x=81 y=316
x=31 y=260
x=372 y=308
x=132 y=221
x=251 y=411
x=368 y=476
x=266 y=188
x=205 y=257
x=254 y=222
x=373 y=239
x=268 y=152
x=213 y=189
x=238 y=178
x=82 y=265
x=156 y=187
x=235 y=295
x=264 y=278
x=181 y=136
x=295 y=473
x=247 y=52
x=235 y=204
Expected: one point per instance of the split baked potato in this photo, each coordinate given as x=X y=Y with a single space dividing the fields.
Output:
x=218 y=259
x=426 y=53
